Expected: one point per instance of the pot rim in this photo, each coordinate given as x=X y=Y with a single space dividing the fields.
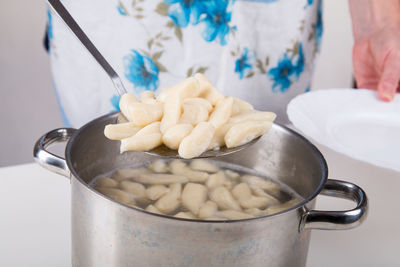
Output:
x=315 y=150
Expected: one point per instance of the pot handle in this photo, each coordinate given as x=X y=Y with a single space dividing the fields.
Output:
x=338 y=220
x=49 y=160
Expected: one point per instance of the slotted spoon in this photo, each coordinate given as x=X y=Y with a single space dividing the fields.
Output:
x=158 y=151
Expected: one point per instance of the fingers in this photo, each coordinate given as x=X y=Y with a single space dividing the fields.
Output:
x=364 y=66
x=390 y=77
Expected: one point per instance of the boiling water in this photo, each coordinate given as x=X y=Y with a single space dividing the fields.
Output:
x=286 y=196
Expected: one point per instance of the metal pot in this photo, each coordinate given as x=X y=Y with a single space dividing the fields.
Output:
x=106 y=233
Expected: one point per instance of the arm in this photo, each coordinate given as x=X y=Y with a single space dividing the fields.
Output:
x=376 y=51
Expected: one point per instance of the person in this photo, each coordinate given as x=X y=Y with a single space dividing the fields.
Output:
x=262 y=51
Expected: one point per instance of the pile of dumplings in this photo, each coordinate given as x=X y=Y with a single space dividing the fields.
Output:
x=191 y=117
x=196 y=190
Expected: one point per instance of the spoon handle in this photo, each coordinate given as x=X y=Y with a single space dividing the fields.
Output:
x=74 y=27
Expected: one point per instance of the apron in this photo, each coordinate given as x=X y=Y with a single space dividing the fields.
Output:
x=262 y=51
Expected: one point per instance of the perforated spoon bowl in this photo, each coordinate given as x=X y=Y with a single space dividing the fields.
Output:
x=164 y=151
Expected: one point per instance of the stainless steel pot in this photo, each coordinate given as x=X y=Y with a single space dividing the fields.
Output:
x=106 y=233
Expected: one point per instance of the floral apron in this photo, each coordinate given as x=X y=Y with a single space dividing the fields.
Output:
x=262 y=51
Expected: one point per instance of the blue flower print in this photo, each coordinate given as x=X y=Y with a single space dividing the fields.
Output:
x=49 y=25
x=115 y=102
x=141 y=71
x=242 y=64
x=299 y=65
x=319 y=25
x=121 y=10
x=307 y=90
x=309 y=3
x=184 y=11
x=216 y=21
x=281 y=74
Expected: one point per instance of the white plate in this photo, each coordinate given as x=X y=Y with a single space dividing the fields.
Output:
x=353 y=122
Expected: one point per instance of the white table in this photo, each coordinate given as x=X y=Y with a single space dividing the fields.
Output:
x=35 y=218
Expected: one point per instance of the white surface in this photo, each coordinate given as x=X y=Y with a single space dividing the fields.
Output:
x=353 y=122
x=35 y=217
x=35 y=222
x=25 y=74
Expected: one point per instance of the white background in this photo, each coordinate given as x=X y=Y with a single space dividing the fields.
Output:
x=28 y=104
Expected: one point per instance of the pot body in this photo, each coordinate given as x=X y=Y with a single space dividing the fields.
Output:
x=106 y=233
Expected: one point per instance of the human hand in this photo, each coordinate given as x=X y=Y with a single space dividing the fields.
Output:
x=376 y=52
x=376 y=62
